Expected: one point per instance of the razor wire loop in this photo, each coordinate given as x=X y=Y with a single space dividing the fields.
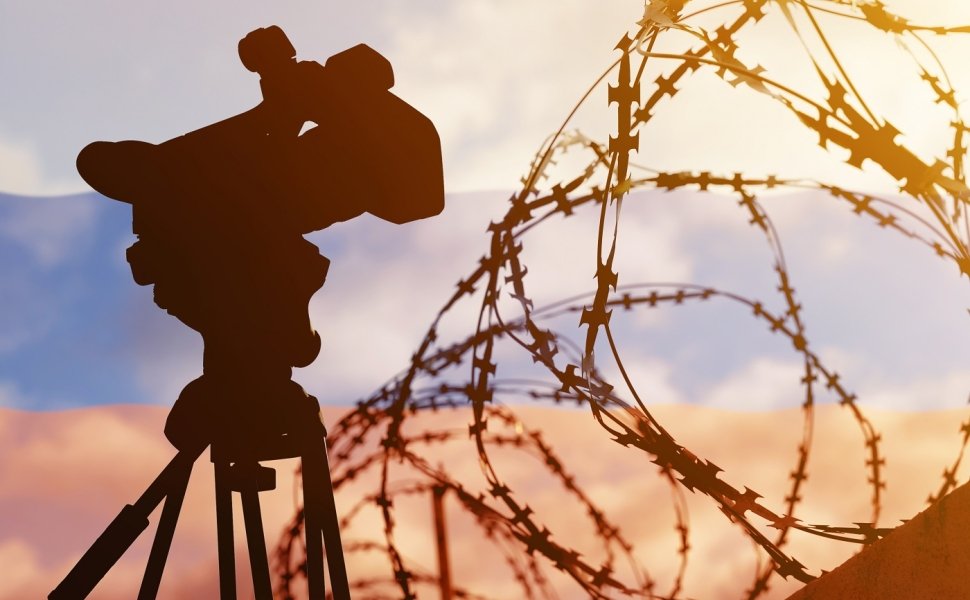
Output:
x=372 y=440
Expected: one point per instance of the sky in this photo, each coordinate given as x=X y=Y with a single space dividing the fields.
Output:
x=496 y=78
x=106 y=70
x=52 y=512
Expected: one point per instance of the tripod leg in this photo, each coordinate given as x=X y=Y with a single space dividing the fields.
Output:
x=262 y=587
x=321 y=512
x=120 y=534
x=163 y=535
x=331 y=532
x=227 y=558
x=105 y=552
x=312 y=524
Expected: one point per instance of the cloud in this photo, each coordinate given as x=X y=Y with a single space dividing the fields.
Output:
x=461 y=63
x=54 y=461
x=498 y=77
x=947 y=391
x=762 y=384
x=386 y=285
x=21 y=172
x=561 y=252
x=651 y=377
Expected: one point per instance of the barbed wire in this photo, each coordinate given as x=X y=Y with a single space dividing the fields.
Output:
x=373 y=442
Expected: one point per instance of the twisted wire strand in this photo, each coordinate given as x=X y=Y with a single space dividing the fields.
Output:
x=372 y=441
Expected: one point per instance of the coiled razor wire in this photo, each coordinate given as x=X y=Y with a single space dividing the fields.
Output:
x=932 y=212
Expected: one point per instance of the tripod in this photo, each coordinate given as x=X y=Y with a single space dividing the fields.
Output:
x=237 y=469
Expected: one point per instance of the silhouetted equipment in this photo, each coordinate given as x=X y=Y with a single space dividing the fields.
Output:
x=572 y=174
x=219 y=214
x=236 y=469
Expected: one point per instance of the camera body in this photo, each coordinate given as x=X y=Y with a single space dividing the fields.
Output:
x=220 y=211
x=387 y=154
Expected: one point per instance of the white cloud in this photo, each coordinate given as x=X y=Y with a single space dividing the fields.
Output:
x=382 y=311
x=768 y=383
x=498 y=77
x=19 y=169
x=385 y=286
x=762 y=384
x=496 y=83
x=949 y=391
x=21 y=172
x=651 y=377
x=387 y=283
